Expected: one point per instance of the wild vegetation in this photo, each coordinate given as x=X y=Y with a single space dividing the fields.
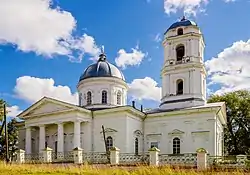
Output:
x=63 y=169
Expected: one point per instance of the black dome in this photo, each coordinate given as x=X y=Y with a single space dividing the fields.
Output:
x=102 y=68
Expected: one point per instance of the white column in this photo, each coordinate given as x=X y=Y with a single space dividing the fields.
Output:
x=60 y=138
x=41 y=138
x=28 y=140
x=77 y=133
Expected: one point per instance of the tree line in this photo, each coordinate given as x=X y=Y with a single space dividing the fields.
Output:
x=12 y=135
x=236 y=131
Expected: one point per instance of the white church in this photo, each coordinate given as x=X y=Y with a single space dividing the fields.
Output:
x=182 y=123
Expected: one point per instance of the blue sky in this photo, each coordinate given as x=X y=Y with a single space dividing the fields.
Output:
x=46 y=45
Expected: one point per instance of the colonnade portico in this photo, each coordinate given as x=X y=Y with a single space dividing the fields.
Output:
x=60 y=136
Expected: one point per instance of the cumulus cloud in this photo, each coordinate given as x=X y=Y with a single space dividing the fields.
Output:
x=86 y=45
x=133 y=58
x=190 y=7
x=13 y=111
x=230 y=68
x=34 y=25
x=32 y=89
x=145 y=88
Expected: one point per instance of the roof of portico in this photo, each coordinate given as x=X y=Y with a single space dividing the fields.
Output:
x=73 y=107
x=45 y=100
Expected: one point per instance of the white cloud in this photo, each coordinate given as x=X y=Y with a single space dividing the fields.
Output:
x=230 y=68
x=87 y=45
x=145 y=88
x=133 y=58
x=190 y=7
x=32 y=89
x=33 y=25
x=13 y=111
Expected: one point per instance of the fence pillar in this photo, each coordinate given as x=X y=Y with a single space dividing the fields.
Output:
x=201 y=159
x=78 y=154
x=20 y=156
x=47 y=155
x=154 y=156
x=114 y=156
x=241 y=159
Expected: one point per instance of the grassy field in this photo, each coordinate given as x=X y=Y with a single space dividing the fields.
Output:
x=38 y=169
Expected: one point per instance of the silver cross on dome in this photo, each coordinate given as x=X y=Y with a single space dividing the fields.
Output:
x=102 y=49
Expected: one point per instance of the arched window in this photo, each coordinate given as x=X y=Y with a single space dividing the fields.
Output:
x=104 y=97
x=180 y=52
x=89 y=98
x=179 y=87
x=136 y=146
x=109 y=142
x=119 y=95
x=176 y=146
x=180 y=31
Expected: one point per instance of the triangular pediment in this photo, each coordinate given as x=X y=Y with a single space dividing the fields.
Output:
x=48 y=106
x=176 y=132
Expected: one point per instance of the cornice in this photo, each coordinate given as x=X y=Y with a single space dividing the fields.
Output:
x=98 y=80
x=179 y=37
x=128 y=109
x=191 y=65
x=181 y=112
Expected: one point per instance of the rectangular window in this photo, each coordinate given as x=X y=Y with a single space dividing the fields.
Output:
x=176 y=146
x=154 y=144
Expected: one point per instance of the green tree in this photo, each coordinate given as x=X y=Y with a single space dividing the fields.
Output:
x=12 y=139
x=12 y=134
x=1 y=109
x=237 y=130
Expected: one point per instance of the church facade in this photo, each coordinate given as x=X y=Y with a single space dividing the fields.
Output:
x=182 y=123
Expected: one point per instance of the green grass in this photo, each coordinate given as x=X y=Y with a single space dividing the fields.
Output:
x=63 y=169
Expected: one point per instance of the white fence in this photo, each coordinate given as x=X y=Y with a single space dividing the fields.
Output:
x=200 y=159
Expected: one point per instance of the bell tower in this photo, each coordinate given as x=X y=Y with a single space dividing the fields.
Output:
x=183 y=73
